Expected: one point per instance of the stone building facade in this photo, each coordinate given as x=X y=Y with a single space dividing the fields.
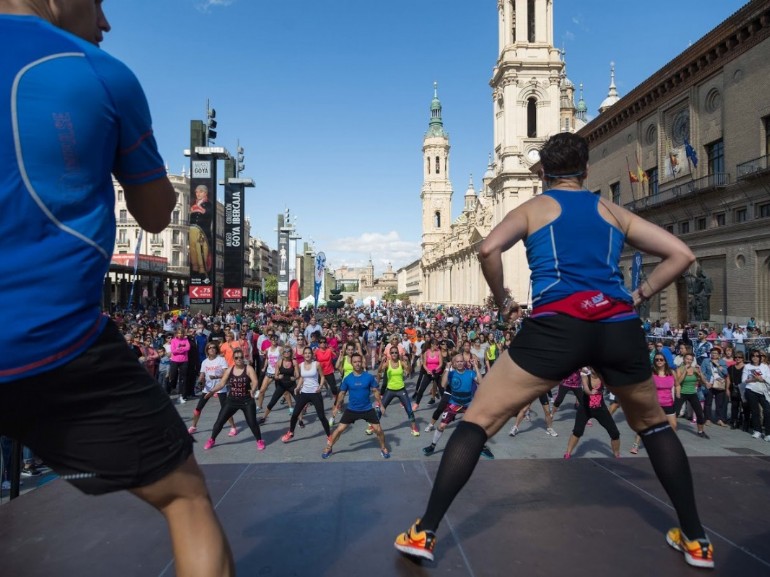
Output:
x=696 y=136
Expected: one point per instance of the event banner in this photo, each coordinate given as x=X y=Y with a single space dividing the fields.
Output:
x=202 y=230
x=234 y=238
x=283 y=262
x=320 y=266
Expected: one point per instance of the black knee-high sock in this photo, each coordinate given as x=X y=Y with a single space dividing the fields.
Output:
x=457 y=463
x=673 y=470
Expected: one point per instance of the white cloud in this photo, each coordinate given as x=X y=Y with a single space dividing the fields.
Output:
x=204 y=5
x=569 y=35
x=382 y=248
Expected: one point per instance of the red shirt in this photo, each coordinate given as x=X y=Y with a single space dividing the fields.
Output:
x=325 y=359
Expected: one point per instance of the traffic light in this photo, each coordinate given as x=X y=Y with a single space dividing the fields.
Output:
x=211 y=125
x=241 y=166
x=335 y=300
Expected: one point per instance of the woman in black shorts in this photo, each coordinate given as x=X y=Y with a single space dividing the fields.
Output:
x=592 y=407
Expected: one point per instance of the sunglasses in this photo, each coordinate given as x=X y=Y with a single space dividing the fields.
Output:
x=236 y=357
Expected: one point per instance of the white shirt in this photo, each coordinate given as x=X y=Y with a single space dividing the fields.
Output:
x=213 y=369
x=310 y=377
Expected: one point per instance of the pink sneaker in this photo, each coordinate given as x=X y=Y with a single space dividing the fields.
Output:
x=192 y=430
x=209 y=444
x=287 y=437
x=567 y=456
x=233 y=432
x=260 y=445
x=589 y=423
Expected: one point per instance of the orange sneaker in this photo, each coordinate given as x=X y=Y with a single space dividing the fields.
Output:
x=698 y=552
x=417 y=543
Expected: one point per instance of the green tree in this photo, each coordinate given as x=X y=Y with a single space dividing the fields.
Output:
x=271 y=288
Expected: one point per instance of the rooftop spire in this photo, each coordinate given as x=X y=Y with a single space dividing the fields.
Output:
x=436 y=124
x=612 y=94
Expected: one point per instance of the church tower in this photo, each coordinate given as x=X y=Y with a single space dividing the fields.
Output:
x=527 y=103
x=436 y=194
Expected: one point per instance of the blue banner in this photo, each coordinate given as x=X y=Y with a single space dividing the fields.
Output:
x=320 y=265
x=636 y=270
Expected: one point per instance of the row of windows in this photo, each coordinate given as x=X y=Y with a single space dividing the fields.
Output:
x=123 y=217
x=739 y=215
x=530 y=21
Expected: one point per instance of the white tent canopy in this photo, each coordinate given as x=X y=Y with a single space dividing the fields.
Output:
x=309 y=301
x=369 y=299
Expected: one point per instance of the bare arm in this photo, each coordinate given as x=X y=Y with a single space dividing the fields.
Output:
x=151 y=203
x=511 y=230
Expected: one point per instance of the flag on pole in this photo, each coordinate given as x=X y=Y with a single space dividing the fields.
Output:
x=137 y=251
x=690 y=152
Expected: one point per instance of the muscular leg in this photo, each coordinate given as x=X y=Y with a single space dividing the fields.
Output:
x=182 y=498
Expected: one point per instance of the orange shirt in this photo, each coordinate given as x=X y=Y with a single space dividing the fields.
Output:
x=227 y=350
x=411 y=334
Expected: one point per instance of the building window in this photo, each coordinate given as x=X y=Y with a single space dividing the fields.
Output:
x=156 y=253
x=120 y=195
x=532 y=117
x=700 y=224
x=428 y=159
x=123 y=218
x=740 y=214
x=766 y=124
x=438 y=167
x=175 y=258
x=437 y=219
x=652 y=181
x=513 y=18
x=719 y=219
x=684 y=227
x=175 y=217
x=122 y=236
x=175 y=235
x=763 y=210
x=530 y=20
x=716 y=156
x=615 y=192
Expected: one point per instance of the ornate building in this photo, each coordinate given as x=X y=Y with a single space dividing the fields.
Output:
x=531 y=99
x=697 y=133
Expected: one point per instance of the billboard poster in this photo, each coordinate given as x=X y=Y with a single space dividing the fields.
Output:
x=201 y=246
x=283 y=262
x=233 y=236
x=320 y=266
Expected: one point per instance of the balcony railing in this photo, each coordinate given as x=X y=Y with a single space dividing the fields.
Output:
x=708 y=182
x=752 y=167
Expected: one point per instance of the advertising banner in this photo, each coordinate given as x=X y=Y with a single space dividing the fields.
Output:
x=232 y=292
x=320 y=266
x=283 y=263
x=202 y=231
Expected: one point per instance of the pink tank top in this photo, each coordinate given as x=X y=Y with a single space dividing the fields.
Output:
x=664 y=385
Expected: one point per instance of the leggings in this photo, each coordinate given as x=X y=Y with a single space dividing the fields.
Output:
x=280 y=389
x=317 y=401
x=578 y=392
x=331 y=380
x=602 y=416
x=402 y=396
x=427 y=378
x=177 y=377
x=203 y=400
x=232 y=406
x=441 y=407
x=692 y=398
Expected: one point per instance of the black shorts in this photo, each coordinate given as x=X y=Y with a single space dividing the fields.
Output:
x=553 y=347
x=349 y=417
x=100 y=421
x=671 y=410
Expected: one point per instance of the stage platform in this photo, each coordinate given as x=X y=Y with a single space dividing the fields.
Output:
x=548 y=517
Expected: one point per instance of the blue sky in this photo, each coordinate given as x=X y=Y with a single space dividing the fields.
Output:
x=330 y=98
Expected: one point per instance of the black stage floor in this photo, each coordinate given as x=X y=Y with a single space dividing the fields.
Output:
x=597 y=517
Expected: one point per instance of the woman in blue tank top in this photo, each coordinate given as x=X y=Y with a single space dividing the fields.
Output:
x=582 y=315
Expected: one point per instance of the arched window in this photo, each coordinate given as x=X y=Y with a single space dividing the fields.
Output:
x=531 y=21
x=532 y=117
x=428 y=159
x=437 y=219
x=438 y=166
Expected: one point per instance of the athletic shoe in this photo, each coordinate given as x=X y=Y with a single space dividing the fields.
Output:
x=192 y=430
x=514 y=431
x=589 y=423
x=698 y=553
x=767 y=438
x=703 y=435
x=331 y=421
x=209 y=444
x=757 y=435
x=301 y=424
x=260 y=445
x=550 y=432
x=416 y=543
x=415 y=406
x=287 y=437
x=415 y=431
x=30 y=472
x=181 y=400
x=429 y=428
x=385 y=454
x=634 y=449
x=369 y=430
x=429 y=450
x=567 y=456
x=528 y=417
x=432 y=401
x=326 y=453
x=233 y=432
x=291 y=411
x=487 y=453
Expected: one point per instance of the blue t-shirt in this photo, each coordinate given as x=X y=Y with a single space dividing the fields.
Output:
x=462 y=386
x=359 y=388
x=70 y=116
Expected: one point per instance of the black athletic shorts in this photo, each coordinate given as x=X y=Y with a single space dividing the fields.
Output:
x=554 y=346
x=100 y=421
x=349 y=417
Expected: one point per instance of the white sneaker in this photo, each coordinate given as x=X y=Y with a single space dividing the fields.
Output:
x=514 y=431
x=767 y=438
x=551 y=432
x=429 y=428
x=757 y=435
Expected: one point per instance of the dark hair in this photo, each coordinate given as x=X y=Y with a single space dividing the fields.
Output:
x=564 y=155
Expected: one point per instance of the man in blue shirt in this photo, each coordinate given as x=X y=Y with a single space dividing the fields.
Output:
x=360 y=385
x=71 y=116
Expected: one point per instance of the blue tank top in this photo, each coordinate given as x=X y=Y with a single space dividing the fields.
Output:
x=577 y=251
